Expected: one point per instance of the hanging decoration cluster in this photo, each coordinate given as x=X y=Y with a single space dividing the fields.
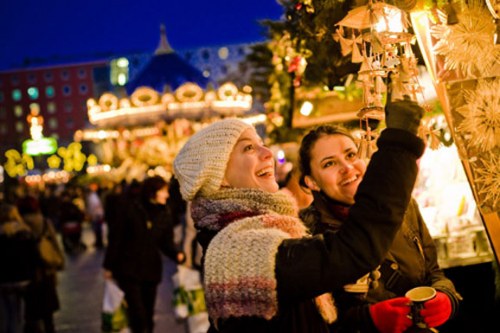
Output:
x=468 y=57
x=468 y=46
x=376 y=35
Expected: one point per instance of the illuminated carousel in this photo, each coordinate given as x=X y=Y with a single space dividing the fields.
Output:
x=140 y=133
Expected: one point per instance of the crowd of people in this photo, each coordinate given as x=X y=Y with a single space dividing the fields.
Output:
x=339 y=258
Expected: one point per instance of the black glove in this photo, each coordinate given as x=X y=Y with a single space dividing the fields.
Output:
x=403 y=114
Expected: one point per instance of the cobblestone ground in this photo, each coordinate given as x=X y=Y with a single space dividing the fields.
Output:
x=81 y=287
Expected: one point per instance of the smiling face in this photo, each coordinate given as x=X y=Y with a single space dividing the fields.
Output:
x=251 y=164
x=335 y=168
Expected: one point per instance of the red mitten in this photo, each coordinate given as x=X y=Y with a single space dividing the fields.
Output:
x=437 y=310
x=391 y=316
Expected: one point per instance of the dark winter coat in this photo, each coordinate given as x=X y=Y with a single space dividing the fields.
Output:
x=411 y=262
x=140 y=234
x=308 y=267
x=41 y=295
x=18 y=255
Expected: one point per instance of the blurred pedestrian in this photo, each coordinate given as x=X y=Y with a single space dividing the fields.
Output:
x=144 y=230
x=42 y=300
x=18 y=257
x=71 y=218
x=113 y=203
x=95 y=213
x=50 y=204
x=262 y=271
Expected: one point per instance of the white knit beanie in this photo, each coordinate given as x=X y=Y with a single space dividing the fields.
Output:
x=201 y=163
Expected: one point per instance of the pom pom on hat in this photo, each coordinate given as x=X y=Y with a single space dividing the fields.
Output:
x=201 y=163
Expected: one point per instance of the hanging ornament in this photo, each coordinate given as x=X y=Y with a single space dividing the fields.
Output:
x=488 y=181
x=481 y=114
x=382 y=32
x=468 y=46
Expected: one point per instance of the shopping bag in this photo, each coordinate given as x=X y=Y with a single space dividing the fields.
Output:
x=189 y=299
x=114 y=309
x=49 y=250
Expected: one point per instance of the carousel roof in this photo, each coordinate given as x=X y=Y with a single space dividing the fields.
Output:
x=166 y=68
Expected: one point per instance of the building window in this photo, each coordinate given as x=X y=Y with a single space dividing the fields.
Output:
x=18 y=111
x=83 y=89
x=82 y=73
x=53 y=123
x=33 y=92
x=14 y=80
x=3 y=129
x=35 y=108
x=17 y=95
x=48 y=76
x=68 y=107
x=66 y=90
x=31 y=78
x=1 y=96
x=19 y=127
x=50 y=91
x=119 y=71
x=69 y=122
x=3 y=112
x=223 y=53
x=51 y=107
x=65 y=75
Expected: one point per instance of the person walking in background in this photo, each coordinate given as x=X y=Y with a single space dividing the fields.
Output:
x=70 y=219
x=50 y=204
x=18 y=257
x=262 y=272
x=113 y=203
x=42 y=300
x=144 y=230
x=95 y=213
x=332 y=170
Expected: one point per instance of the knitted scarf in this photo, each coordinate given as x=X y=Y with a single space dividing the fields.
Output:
x=239 y=267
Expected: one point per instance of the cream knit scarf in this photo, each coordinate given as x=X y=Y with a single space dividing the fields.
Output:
x=239 y=267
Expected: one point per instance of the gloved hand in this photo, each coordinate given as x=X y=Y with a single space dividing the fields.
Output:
x=403 y=114
x=391 y=316
x=437 y=310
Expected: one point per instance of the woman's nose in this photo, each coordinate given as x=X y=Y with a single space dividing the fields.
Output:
x=346 y=166
x=266 y=152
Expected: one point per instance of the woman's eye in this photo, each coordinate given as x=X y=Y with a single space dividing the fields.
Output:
x=248 y=148
x=329 y=164
x=351 y=155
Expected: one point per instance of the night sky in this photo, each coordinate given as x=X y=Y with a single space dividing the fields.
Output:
x=48 y=29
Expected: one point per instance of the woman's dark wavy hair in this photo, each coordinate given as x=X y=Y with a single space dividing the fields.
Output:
x=150 y=186
x=308 y=142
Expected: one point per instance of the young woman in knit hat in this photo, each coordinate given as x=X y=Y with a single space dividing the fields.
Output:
x=262 y=271
x=332 y=171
